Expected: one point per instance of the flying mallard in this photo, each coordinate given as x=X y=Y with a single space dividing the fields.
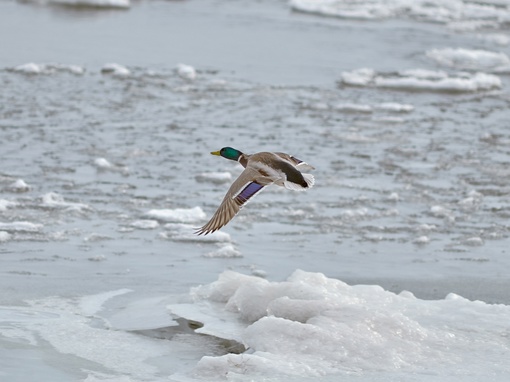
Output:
x=261 y=169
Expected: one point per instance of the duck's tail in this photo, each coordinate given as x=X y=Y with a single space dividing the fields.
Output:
x=309 y=181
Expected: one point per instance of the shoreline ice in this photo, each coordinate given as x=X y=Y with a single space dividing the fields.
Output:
x=311 y=325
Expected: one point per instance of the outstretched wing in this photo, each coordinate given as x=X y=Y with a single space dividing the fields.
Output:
x=241 y=191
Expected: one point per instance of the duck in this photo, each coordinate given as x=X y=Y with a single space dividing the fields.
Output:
x=260 y=170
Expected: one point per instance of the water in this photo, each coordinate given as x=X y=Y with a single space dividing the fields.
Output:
x=409 y=196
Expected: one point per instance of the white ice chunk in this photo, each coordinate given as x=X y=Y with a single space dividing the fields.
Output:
x=472 y=59
x=423 y=80
x=182 y=215
x=115 y=70
x=352 y=108
x=394 y=197
x=186 y=233
x=5 y=204
x=33 y=68
x=21 y=226
x=422 y=240
x=227 y=251
x=495 y=38
x=145 y=224
x=4 y=236
x=19 y=186
x=311 y=326
x=395 y=107
x=102 y=163
x=54 y=200
x=358 y=77
x=186 y=71
x=467 y=83
x=480 y=14
x=474 y=241
x=94 y=3
x=29 y=68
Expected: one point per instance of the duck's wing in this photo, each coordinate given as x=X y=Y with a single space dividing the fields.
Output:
x=247 y=185
x=297 y=163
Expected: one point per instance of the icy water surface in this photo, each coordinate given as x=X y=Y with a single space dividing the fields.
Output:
x=106 y=172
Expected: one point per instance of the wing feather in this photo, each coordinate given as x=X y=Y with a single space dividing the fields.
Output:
x=239 y=193
x=298 y=163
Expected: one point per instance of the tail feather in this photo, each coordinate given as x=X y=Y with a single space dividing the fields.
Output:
x=309 y=180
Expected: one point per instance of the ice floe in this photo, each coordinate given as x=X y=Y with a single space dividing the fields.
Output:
x=361 y=108
x=102 y=163
x=423 y=80
x=54 y=200
x=395 y=107
x=352 y=108
x=19 y=186
x=179 y=215
x=186 y=72
x=20 y=226
x=311 y=326
x=422 y=240
x=480 y=14
x=145 y=224
x=115 y=70
x=186 y=233
x=227 y=251
x=470 y=59
x=33 y=68
x=495 y=38
x=94 y=3
x=5 y=204
x=107 y=4
x=4 y=236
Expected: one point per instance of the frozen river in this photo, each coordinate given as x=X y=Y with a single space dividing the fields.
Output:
x=106 y=172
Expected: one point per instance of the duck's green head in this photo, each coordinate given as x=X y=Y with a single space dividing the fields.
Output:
x=229 y=153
